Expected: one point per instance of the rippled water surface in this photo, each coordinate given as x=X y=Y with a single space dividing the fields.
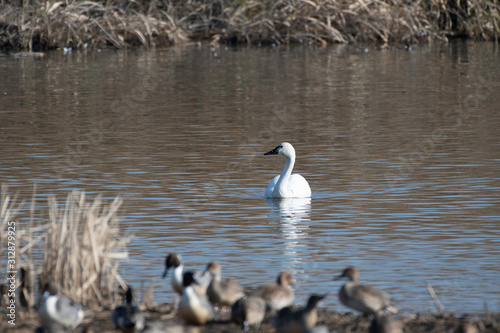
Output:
x=400 y=147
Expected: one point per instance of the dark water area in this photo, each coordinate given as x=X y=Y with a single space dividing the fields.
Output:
x=401 y=149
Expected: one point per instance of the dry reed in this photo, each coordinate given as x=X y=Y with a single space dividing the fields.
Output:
x=9 y=207
x=81 y=246
x=39 y=25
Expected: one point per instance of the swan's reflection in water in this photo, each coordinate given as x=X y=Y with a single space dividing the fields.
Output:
x=290 y=211
x=293 y=217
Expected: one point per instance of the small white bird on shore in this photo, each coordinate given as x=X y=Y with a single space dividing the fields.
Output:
x=59 y=310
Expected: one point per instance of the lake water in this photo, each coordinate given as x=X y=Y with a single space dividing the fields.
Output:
x=400 y=147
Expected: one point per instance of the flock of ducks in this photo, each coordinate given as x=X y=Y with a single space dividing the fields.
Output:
x=203 y=294
x=202 y=291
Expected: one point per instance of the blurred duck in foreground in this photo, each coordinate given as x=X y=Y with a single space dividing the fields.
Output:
x=174 y=262
x=362 y=298
x=298 y=320
x=127 y=317
x=194 y=308
x=222 y=291
x=58 y=311
x=248 y=311
x=277 y=296
x=385 y=323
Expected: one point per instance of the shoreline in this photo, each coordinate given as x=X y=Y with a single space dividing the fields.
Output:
x=41 y=26
x=100 y=320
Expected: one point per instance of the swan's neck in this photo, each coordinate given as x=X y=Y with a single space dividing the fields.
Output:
x=282 y=184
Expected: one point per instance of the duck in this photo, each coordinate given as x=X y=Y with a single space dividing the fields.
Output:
x=127 y=317
x=222 y=291
x=363 y=298
x=174 y=261
x=248 y=311
x=194 y=308
x=277 y=296
x=287 y=185
x=385 y=323
x=298 y=319
x=466 y=326
x=58 y=310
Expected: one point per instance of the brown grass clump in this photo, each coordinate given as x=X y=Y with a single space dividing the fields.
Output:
x=79 y=248
x=386 y=21
x=80 y=24
x=83 y=246
x=40 y=24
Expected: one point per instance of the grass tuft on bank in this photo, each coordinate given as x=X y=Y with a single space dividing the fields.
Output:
x=40 y=25
x=76 y=243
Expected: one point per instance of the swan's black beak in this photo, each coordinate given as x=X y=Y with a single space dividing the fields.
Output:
x=274 y=151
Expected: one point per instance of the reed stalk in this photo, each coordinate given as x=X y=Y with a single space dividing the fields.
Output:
x=81 y=245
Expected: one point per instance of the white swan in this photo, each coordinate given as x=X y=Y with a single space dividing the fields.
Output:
x=287 y=185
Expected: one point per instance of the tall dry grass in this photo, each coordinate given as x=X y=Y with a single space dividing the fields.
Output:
x=9 y=207
x=81 y=245
x=40 y=24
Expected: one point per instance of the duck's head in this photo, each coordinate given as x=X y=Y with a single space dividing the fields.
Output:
x=285 y=279
x=188 y=279
x=314 y=300
x=350 y=273
x=128 y=295
x=214 y=268
x=173 y=260
x=51 y=288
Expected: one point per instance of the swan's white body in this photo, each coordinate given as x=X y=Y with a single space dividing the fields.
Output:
x=287 y=185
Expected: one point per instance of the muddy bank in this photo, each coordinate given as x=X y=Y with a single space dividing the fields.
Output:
x=39 y=25
x=100 y=321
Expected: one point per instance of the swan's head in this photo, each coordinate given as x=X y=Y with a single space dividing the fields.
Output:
x=284 y=149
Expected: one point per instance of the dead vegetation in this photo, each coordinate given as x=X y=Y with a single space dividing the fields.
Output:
x=77 y=244
x=39 y=25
